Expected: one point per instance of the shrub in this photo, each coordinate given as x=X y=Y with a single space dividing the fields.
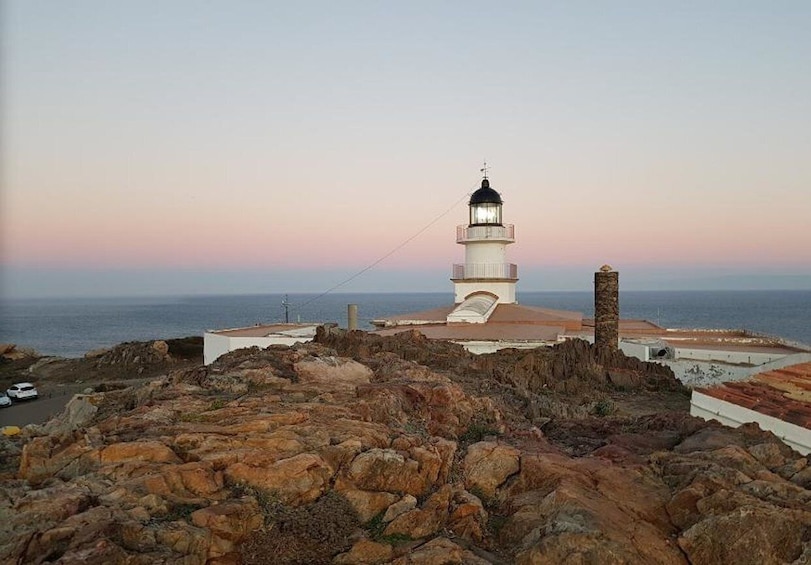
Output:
x=308 y=534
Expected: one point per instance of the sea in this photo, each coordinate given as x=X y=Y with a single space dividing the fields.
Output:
x=70 y=327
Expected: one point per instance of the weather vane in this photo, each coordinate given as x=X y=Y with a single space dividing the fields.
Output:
x=484 y=169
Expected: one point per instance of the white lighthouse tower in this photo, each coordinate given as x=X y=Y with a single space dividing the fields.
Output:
x=485 y=271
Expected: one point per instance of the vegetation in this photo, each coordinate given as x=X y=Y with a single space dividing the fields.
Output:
x=314 y=533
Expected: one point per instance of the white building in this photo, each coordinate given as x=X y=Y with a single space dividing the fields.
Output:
x=219 y=342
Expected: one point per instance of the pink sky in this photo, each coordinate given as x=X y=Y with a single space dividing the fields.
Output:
x=307 y=138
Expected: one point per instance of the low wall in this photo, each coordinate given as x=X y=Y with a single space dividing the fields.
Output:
x=694 y=373
x=727 y=356
x=710 y=408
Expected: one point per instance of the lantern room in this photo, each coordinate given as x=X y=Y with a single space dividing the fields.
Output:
x=485 y=206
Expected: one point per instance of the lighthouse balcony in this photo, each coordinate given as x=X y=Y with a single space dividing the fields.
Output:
x=485 y=271
x=466 y=233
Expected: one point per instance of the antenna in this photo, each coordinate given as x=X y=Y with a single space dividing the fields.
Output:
x=286 y=305
x=484 y=169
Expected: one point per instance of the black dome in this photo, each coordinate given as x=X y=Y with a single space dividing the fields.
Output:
x=485 y=195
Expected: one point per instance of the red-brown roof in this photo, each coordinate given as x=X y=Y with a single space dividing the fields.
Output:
x=782 y=393
x=481 y=332
x=262 y=330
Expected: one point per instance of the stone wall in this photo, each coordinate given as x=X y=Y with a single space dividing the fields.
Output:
x=606 y=310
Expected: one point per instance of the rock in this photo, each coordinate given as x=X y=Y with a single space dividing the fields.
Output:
x=425 y=521
x=402 y=506
x=296 y=480
x=769 y=454
x=802 y=478
x=389 y=471
x=366 y=552
x=487 y=465
x=96 y=353
x=301 y=455
x=11 y=352
x=151 y=451
x=745 y=536
x=440 y=551
x=230 y=523
x=369 y=504
x=78 y=413
x=468 y=518
x=45 y=457
x=332 y=374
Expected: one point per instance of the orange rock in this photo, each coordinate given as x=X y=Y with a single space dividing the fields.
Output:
x=43 y=457
x=390 y=471
x=230 y=523
x=366 y=552
x=152 y=451
x=190 y=480
x=488 y=464
x=440 y=551
x=468 y=518
x=296 y=480
x=369 y=504
x=424 y=521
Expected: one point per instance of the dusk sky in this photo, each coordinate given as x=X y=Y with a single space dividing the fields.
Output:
x=243 y=146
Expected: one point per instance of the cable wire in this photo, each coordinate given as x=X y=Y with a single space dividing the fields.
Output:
x=384 y=257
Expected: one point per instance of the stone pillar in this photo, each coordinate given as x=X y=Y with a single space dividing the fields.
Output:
x=352 y=316
x=606 y=309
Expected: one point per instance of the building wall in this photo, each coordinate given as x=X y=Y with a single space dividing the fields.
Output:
x=694 y=373
x=504 y=290
x=482 y=347
x=710 y=408
x=216 y=345
x=486 y=252
x=638 y=350
x=727 y=356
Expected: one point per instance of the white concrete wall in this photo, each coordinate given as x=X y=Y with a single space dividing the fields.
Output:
x=727 y=356
x=638 y=350
x=485 y=252
x=215 y=345
x=732 y=415
x=481 y=347
x=707 y=373
x=504 y=290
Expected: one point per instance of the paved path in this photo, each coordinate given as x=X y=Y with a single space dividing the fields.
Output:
x=37 y=411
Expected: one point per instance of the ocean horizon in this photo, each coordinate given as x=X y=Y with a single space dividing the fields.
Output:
x=70 y=327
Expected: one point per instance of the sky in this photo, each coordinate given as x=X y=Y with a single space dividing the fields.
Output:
x=198 y=147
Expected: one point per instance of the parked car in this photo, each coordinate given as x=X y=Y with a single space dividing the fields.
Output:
x=22 y=391
x=4 y=400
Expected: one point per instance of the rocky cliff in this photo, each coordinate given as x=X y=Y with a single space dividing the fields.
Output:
x=361 y=449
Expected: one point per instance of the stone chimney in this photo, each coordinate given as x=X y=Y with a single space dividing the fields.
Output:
x=606 y=309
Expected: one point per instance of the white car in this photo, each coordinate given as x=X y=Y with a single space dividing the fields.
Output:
x=22 y=391
x=4 y=400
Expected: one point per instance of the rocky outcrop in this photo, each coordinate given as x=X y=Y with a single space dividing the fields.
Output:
x=12 y=352
x=362 y=449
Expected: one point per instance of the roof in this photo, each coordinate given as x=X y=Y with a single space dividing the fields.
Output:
x=481 y=332
x=782 y=393
x=283 y=330
x=485 y=195
x=503 y=314
x=508 y=322
x=437 y=315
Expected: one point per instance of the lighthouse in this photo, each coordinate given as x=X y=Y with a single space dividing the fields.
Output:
x=485 y=270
